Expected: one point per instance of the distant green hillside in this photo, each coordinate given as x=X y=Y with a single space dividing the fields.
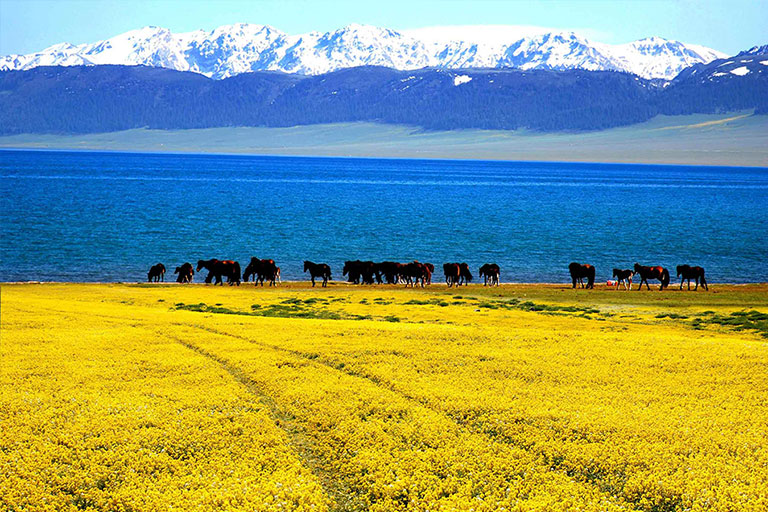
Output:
x=729 y=139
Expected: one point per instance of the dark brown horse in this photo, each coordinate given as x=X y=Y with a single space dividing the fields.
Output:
x=220 y=268
x=465 y=276
x=261 y=270
x=186 y=273
x=452 y=273
x=623 y=276
x=490 y=272
x=657 y=272
x=431 y=269
x=415 y=273
x=390 y=270
x=156 y=273
x=318 y=270
x=579 y=272
x=359 y=271
x=688 y=272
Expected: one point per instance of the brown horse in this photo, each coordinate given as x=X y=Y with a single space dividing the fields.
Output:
x=647 y=273
x=490 y=272
x=318 y=270
x=452 y=273
x=579 y=272
x=431 y=269
x=156 y=273
x=220 y=268
x=186 y=273
x=688 y=272
x=261 y=270
x=623 y=276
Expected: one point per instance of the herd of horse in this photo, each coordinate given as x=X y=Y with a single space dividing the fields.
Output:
x=411 y=274
x=624 y=277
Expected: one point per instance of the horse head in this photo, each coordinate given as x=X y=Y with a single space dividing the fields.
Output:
x=201 y=264
x=637 y=267
x=306 y=265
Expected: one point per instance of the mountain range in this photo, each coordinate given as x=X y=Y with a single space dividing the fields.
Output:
x=243 y=48
x=105 y=98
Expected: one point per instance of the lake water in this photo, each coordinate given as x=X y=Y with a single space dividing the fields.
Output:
x=83 y=216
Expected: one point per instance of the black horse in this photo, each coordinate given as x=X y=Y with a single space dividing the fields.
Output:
x=490 y=273
x=579 y=272
x=186 y=273
x=688 y=272
x=390 y=270
x=360 y=272
x=318 y=270
x=261 y=270
x=623 y=276
x=220 y=268
x=647 y=273
x=156 y=273
x=452 y=273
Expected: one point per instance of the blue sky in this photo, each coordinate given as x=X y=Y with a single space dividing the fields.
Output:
x=728 y=26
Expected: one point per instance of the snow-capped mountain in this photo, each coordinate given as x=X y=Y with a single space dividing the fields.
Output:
x=233 y=49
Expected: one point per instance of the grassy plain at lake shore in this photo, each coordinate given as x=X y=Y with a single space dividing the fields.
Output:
x=730 y=139
x=522 y=397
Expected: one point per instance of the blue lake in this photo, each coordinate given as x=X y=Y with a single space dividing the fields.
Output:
x=84 y=216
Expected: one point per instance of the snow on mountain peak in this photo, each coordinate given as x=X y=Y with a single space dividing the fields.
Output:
x=238 y=48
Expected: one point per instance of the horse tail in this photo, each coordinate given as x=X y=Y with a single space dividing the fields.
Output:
x=664 y=278
x=591 y=277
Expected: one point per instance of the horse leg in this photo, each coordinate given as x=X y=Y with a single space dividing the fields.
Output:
x=697 y=284
x=312 y=277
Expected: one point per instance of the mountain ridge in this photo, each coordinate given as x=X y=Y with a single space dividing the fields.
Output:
x=90 y=99
x=240 y=48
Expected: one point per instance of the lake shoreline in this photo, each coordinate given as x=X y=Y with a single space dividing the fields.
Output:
x=704 y=140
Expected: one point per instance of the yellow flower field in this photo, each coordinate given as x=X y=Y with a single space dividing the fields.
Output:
x=526 y=397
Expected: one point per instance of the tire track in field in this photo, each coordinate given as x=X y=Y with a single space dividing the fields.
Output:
x=462 y=424
x=341 y=494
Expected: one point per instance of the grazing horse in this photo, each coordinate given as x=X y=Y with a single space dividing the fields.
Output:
x=579 y=272
x=465 y=276
x=452 y=273
x=647 y=273
x=186 y=273
x=688 y=272
x=318 y=270
x=220 y=268
x=490 y=273
x=390 y=270
x=360 y=271
x=623 y=276
x=156 y=273
x=261 y=270
x=431 y=269
x=415 y=273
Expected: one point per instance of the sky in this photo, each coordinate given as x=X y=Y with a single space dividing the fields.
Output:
x=728 y=26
